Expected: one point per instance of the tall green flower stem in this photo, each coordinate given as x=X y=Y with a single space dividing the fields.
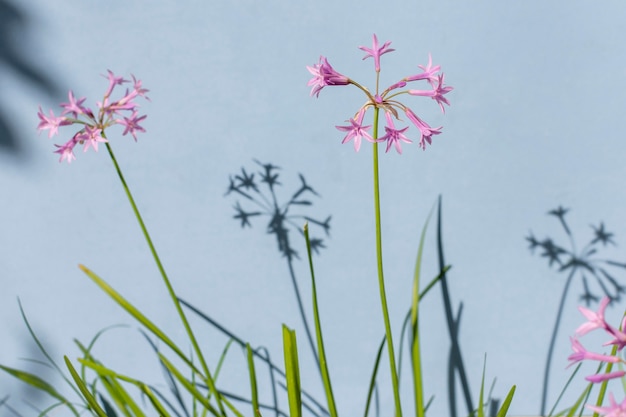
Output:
x=381 y=277
x=166 y=280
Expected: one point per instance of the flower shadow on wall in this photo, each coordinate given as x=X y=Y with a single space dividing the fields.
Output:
x=584 y=263
x=14 y=27
x=263 y=200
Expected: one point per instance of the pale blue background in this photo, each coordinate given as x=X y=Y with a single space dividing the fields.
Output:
x=536 y=121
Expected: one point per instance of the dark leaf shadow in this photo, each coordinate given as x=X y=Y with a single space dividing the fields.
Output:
x=19 y=64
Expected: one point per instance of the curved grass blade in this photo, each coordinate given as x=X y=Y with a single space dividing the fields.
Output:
x=370 y=391
x=270 y=364
x=188 y=385
x=143 y=387
x=133 y=311
x=328 y=389
x=481 y=404
x=253 y=383
x=120 y=396
x=93 y=403
x=40 y=384
x=43 y=350
x=292 y=371
x=416 y=360
x=571 y=378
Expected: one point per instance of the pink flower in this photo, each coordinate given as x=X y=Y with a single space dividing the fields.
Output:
x=324 y=74
x=74 y=107
x=605 y=377
x=113 y=81
x=51 y=122
x=66 y=151
x=375 y=51
x=426 y=131
x=429 y=73
x=580 y=354
x=614 y=410
x=356 y=130
x=132 y=124
x=594 y=320
x=90 y=136
x=393 y=135
x=91 y=128
x=437 y=93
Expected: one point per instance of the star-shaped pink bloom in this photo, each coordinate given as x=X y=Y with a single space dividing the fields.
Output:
x=74 y=107
x=324 y=74
x=113 y=81
x=376 y=51
x=66 y=150
x=437 y=93
x=90 y=136
x=594 y=320
x=581 y=354
x=51 y=122
x=356 y=131
x=614 y=410
x=132 y=124
x=428 y=73
x=426 y=131
x=393 y=135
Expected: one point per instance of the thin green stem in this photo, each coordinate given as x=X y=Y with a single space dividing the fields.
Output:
x=166 y=280
x=381 y=278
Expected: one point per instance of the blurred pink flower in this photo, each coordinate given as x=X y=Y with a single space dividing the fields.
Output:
x=92 y=127
x=614 y=410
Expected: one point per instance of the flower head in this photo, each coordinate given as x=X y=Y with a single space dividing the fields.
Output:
x=92 y=127
x=356 y=130
x=376 y=51
x=324 y=74
x=384 y=99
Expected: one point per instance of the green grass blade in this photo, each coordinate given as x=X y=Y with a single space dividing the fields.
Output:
x=93 y=403
x=416 y=361
x=40 y=384
x=571 y=378
x=133 y=311
x=481 y=404
x=220 y=362
x=43 y=350
x=370 y=391
x=507 y=403
x=292 y=372
x=120 y=396
x=189 y=386
x=328 y=388
x=144 y=388
x=253 y=384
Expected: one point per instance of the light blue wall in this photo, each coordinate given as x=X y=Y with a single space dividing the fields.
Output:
x=536 y=121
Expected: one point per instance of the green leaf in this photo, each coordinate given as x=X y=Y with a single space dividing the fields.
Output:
x=507 y=402
x=93 y=403
x=416 y=360
x=40 y=384
x=328 y=389
x=253 y=384
x=292 y=372
x=188 y=385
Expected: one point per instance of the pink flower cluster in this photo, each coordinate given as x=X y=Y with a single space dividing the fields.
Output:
x=122 y=111
x=596 y=320
x=325 y=75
